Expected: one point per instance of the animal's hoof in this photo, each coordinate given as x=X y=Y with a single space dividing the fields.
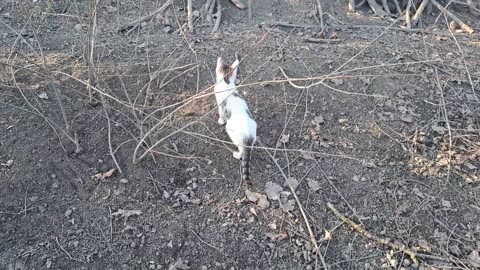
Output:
x=221 y=121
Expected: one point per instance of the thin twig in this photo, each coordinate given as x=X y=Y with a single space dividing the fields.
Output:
x=201 y=240
x=310 y=231
x=408 y=14
x=397 y=6
x=219 y=16
x=376 y=8
x=321 y=40
x=351 y=6
x=320 y=14
x=92 y=80
x=464 y=26
x=66 y=252
x=419 y=12
x=109 y=133
x=290 y=81
x=210 y=10
x=189 y=15
x=249 y=4
x=385 y=7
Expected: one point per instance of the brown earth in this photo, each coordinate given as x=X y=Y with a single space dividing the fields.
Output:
x=393 y=139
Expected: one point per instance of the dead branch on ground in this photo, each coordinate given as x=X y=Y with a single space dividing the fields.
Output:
x=402 y=248
x=310 y=231
x=406 y=8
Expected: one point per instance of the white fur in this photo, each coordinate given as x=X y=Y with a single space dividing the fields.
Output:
x=240 y=125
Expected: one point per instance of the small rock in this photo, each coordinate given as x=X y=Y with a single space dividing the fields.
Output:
x=167 y=29
x=123 y=181
x=406 y=262
x=196 y=13
x=78 y=27
x=68 y=213
x=446 y=203
x=43 y=95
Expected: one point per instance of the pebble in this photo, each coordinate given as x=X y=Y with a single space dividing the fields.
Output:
x=68 y=213
x=123 y=181
x=78 y=27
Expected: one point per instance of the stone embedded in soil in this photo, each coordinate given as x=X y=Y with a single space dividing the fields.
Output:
x=68 y=213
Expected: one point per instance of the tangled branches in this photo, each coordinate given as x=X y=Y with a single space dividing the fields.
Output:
x=412 y=10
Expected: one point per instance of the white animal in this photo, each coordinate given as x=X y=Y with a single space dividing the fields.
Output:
x=235 y=115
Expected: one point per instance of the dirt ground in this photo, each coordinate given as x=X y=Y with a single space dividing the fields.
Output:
x=391 y=139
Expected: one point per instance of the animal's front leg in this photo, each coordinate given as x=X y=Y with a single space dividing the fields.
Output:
x=221 y=118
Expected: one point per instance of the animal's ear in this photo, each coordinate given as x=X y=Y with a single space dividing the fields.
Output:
x=220 y=64
x=233 y=74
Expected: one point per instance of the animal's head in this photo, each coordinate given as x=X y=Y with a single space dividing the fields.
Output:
x=227 y=73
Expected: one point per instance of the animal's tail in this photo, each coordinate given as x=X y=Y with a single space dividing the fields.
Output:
x=248 y=143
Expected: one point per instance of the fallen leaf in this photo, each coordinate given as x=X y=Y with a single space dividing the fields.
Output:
x=103 y=176
x=418 y=193
x=402 y=208
x=423 y=245
x=318 y=120
x=260 y=199
x=252 y=196
x=454 y=249
x=439 y=129
x=407 y=118
x=470 y=166
x=285 y=138
x=308 y=156
x=273 y=190
x=281 y=236
x=288 y=206
x=127 y=213
x=179 y=264
x=474 y=259
x=327 y=236
x=43 y=95
x=337 y=82
x=292 y=182
x=314 y=185
x=263 y=202
x=368 y=163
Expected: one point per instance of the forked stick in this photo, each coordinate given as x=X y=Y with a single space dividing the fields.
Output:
x=310 y=231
